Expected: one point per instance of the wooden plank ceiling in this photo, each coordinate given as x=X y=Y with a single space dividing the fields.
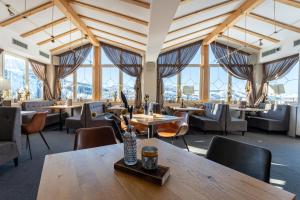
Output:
x=62 y=24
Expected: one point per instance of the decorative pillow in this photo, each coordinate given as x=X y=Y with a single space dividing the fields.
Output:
x=94 y=114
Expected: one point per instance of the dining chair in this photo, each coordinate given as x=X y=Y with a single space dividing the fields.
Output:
x=94 y=137
x=249 y=159
x=36 y=125
x=175 y=129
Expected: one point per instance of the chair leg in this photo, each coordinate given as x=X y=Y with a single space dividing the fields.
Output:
x=243 y=133
x=16 y=161
x=68 y=130
x=172 y=140
x=187 y=147
x=44 y=139
x=28 y=142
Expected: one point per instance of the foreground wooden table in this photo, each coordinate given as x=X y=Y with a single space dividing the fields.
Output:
x=89 y=174
x=152 y=120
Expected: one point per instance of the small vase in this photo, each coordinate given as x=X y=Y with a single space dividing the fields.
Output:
x=146 y=109
x=130 y=156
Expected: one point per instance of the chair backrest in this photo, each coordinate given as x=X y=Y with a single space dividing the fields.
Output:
x=94 y=137
x=278 y=112
x=37 y=123
x=10 y=121
x=38 y=106
x=248 y=159
x=88 y=109
x=217 y=112
x=185 y=116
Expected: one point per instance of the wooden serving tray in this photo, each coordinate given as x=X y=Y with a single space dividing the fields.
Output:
x=158 y=176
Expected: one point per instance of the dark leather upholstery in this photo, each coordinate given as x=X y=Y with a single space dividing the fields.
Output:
x=248 y=159
x=94 y=137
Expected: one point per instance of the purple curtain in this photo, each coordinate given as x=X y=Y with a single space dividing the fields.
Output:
x=128 y=62
x=171 y=63
x=40 y=70
x=68 y=63
x=238 y=64
x=274 y=70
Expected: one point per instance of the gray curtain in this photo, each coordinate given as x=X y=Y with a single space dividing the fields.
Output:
x=128 y=62
x=274 y=70
x=238 y=64
x=171 y=63
x=40 y=70
x=68 y=63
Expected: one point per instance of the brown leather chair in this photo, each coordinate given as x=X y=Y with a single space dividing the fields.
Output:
x=94 y=137
x=36 y=125
x=175 y=129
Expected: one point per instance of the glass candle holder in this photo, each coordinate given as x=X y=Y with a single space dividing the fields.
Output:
x=149 y=157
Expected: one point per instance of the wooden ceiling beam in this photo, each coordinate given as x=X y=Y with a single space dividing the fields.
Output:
x=113 y=26
x=246 y=7
x=241 y=42
x=189 y=41
x=204 y=10
x=121 y=45
x=292 y=3
x=69 y=44
x=118 y=36
x=259 y=35
x=27 y=13
x=138 y=3
x=44 y=27
x=57 y=36
x=68 y=11
x=192 y=33
x=200 y=23
x=277 y=23
x=109 y=12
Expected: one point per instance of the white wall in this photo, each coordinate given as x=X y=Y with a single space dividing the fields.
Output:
x=287 y=49
x=32 y=52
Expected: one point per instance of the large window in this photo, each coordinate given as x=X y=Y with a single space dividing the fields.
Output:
x=67 y=87
x=285 y=89
x=35 y=85
x=238 y=89
x=128 y=86
x=190 y=76
x=15 y=70
x=18 y=70
x=110 y=83
x=218 y=83
x=84 y=82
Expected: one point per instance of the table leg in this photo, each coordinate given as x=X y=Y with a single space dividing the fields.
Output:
x=72 y=112
x=150 y=131
x=60 y=120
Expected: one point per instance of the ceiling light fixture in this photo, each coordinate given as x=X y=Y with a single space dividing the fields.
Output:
x=260 y=42
x=52 y=25
x=11 y=13
x=274 y=16
x=25 y=8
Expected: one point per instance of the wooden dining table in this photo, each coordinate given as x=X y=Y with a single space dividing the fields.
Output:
x=153 y=120
x=89 y=174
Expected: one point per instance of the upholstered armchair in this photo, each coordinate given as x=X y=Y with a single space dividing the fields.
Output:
x=10 y=137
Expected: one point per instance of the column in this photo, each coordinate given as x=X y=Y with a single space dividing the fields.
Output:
x=204 y=73
x=97 y=75
x=149 y=80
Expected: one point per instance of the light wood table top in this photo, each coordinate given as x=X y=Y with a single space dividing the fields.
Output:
x=27 y=113
x=154 y=119
x=89 y=174
x=63 y=106
x=248 y=109
x=187 y=109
